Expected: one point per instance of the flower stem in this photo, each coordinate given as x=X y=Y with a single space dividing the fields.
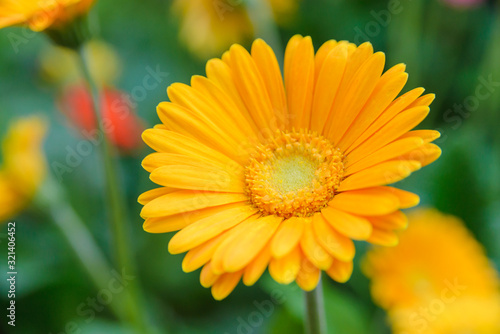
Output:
x=315 y=311
x=123 y=256
x=51 y=198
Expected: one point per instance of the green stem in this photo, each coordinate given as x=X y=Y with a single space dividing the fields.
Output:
x=123 y=256
x=315 y=311
x=52 y=198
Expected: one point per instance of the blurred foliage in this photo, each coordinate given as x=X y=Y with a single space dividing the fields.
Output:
x=447 y=51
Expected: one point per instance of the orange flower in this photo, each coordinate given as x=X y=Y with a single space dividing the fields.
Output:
x=39 y=15
x=258 y=172
x=438 y=280
x=119 y=117
x=24 y=166
x=208 y=27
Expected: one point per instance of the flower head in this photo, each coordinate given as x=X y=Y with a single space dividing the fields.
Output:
x=209 y=27
x=438 y=266
x=23 y=167
x=123 y=125
x=39 y=15
x=257 y=172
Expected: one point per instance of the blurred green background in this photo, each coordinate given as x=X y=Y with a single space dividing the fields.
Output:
x=449 y=51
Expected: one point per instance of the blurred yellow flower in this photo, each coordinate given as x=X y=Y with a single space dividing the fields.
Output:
x=39 y=15
x=259 y=170
x=438 y=280
x=208 y=27
x=23 y=165
x=60 y=65
x=284 y=10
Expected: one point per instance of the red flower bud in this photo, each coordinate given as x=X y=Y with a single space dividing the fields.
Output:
x=120 y=122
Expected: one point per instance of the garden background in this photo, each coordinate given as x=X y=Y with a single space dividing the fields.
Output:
x=452 y=51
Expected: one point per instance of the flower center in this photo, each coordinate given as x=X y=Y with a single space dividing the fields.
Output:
x=294 y=174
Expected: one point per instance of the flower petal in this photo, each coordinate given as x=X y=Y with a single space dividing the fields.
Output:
x=207 y=276
x=203 y=107
x=383 y=237
x=246 y=246
x=184 y=121
x=200 y=255
x=313 y=250
x=197 y=178
x=223 y=105
x=229 y=236
x=426 y=135
x=381 y=174
x=188 y=200
x=150 y=195
x=256 y=268
x=251 y=88
x=208 y=228
x=299 y=82
x=366 y=202
x=358 y=92
x=287 y=236
x=269 y=69
x=285 y=269
x=225 y=284
x=425 y=154
x=157 y=160
x=327 y=84
x=173 y=142
x=397 y=106
x=220 y=74
x=309 y=275
x=351 y=226
x=399 y=125
x=340 y=271
x=393 y=221
x=386 y=90
x=179 y=221
x=338 y=245
x=390 y=151
x=406 y=198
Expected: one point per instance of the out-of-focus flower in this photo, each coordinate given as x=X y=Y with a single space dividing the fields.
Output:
x=24 y=166
x=209 y=27
x=40 y=15
x=464 y=3
x=258 y=174
x=438 y=280
x=120 y=122
x=284 y=10
x=60 y=65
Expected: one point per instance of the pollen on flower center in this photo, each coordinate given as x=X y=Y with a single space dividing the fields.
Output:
x=294 y=174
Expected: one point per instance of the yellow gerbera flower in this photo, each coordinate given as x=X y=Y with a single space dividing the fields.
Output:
x=437 y=280
x=209 y=27
x=257 y=173
x=24 y=166
x=40 y=15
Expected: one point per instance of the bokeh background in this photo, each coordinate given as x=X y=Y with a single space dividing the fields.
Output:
x=451 y=50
